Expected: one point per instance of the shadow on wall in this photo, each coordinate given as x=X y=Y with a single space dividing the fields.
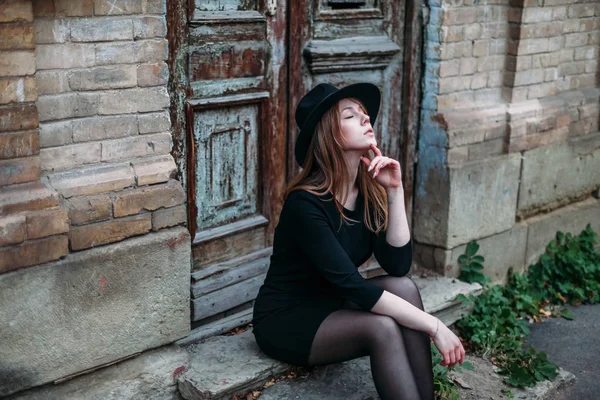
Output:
x=13 y=379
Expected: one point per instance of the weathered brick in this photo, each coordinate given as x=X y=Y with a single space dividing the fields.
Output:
x=589 y=110
x=495 y=78
x=542 y=29
x=589 y=24
x=454 y=84
x=17 y=90
x=468 y=66
x=497 y=46
x=151 y=50
x=133 y=100
x=17 y=36
x=448 y=33
x=92 y=180
x=12 y=229
x=529 y=77
x=19 y=170
x=152 y=74
x=494 y=30
x=533 y=46
x=460 y=16
x=101 y=29
x=456 y=50
x=541 y=90
x=574 y=68
x=65 y=157
x=556 y=43
x=26 y=197
x=123 y=7
x=550 y=74
x=47 y=222
x=58 y=56
x=453 y=100
x=16 y=10
x=67 y=105
x=140 y=146
x=480 y=48
x=594 y=38
x=19 y=144
x=546 y=60
x=110 y=77
x=486 y=149
x=18 y=117
x=576 y=39
x=154 y=122
x=536 y=14
x=43 y=8
x=567 y=55
x=563 y=120
x=490 y=63
x=149 y=27
x=153 y=170
x=86 y=209
x=449 y=68
x=49 y=31
x=168 y=217
x=52 y=82
x=17 y=63
x=559 y=13
x=472 y=32
x=56 y=133
x=33 y=252
x=74 y=8
x=133 y=201
x=99 y=128
x=154 y=7
x=488 y=96
x=457 y=155
x=581 y=10
x=479 y=81
x=84 y=237
x=591 y=67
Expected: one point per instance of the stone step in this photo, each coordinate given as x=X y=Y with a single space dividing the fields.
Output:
x=223 y=366
x=26 y=197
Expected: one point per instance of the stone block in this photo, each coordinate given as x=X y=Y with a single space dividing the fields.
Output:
x=460 y=16
x=534 y=46
x=149 y=27
x=18 y=90
x=26 y=254
x=576 y=39
x=56 y=133
x=17 y=63
x=100 y=128
x=572 y=219
x=101 y=29
x=43 y=8
x=546 y=181
x=142 y=51
x=26 y=197
x=154 y=122
x=74 y=8
x=16 y=10
x=113 y=77
x=125 y=7
x=17 y=36
x=133 y=100
x=485 y=149
x=48 y=222
x=449 y=68
x=152 y=74
x=92 y=180
x=50 y=31
x=67 y=105
x=19 y=144
x=169 y=217
x=140 y=146
x=115 y=230
x=155 y=7
x=93 y=308
x=60 y=56
x=134 y=201
x=66 y=157
x=17 y=117
x=12 y=229
x=456 y=218
x=52 y=82
x=581 y=10
x=19 y=170
x=86 y=209
x=149 y=171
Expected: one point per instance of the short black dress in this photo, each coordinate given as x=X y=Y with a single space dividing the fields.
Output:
x=313 y=269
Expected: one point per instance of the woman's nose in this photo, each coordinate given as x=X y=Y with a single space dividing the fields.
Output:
x=366 y=118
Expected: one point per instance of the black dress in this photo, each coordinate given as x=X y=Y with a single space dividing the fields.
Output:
x=314 y=268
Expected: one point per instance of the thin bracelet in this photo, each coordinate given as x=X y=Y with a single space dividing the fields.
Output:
x=437 y=328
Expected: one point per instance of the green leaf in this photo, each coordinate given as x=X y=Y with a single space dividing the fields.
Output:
x=472 y=248
x=478 y=259
x=567 y=314
x=463 y=259
x=468 y=366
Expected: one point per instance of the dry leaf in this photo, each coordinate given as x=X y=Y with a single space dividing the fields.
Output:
x=461 y=382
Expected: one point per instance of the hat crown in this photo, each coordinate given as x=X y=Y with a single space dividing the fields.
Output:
x=311 y=100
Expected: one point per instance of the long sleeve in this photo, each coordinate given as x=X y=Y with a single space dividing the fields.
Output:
x=315 y=237
x=396 y=261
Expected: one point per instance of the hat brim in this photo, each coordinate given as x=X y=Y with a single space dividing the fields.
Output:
x=367 y=93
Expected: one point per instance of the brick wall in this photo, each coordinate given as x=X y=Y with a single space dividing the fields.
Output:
x=506 y=78
x=93 y=75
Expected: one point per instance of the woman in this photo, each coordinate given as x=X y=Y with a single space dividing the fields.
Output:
x=314 y=307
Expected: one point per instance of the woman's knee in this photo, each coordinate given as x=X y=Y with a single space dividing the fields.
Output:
x=383 y=329
x=403 y=287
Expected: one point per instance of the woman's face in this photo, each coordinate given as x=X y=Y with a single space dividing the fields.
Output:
x=355 y=124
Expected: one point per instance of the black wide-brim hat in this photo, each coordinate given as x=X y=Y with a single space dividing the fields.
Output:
x=321 y=98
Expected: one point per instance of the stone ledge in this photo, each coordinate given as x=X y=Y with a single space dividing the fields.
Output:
x=26 y=197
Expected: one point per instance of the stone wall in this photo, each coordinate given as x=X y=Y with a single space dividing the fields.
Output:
x=509 y=129
x=94 y=262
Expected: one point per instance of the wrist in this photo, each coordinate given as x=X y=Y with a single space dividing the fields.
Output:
x=395 y=192
x=434 y=327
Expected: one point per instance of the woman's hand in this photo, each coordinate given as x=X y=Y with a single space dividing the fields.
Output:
x=449 y=346
x=384 y=170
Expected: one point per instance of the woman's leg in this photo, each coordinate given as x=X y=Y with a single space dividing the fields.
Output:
x=349 y=334
x=416 y=342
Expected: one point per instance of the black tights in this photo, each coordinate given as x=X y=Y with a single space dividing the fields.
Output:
x=400 y=357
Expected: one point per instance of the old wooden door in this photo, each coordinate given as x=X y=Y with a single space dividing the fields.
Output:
x=236 y=152
x=249 y=63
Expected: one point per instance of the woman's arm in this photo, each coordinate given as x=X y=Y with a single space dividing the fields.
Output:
x=398 y=233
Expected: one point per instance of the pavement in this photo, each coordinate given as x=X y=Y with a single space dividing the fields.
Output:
x=574 y=346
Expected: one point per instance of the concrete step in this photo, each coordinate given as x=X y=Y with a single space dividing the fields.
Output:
x=223 y=366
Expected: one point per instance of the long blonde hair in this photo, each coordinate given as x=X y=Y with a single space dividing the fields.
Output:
x=326 y=169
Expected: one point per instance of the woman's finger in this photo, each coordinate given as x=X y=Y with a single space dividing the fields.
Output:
x=376 y=150
x=381 y=165
x=374 y=163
